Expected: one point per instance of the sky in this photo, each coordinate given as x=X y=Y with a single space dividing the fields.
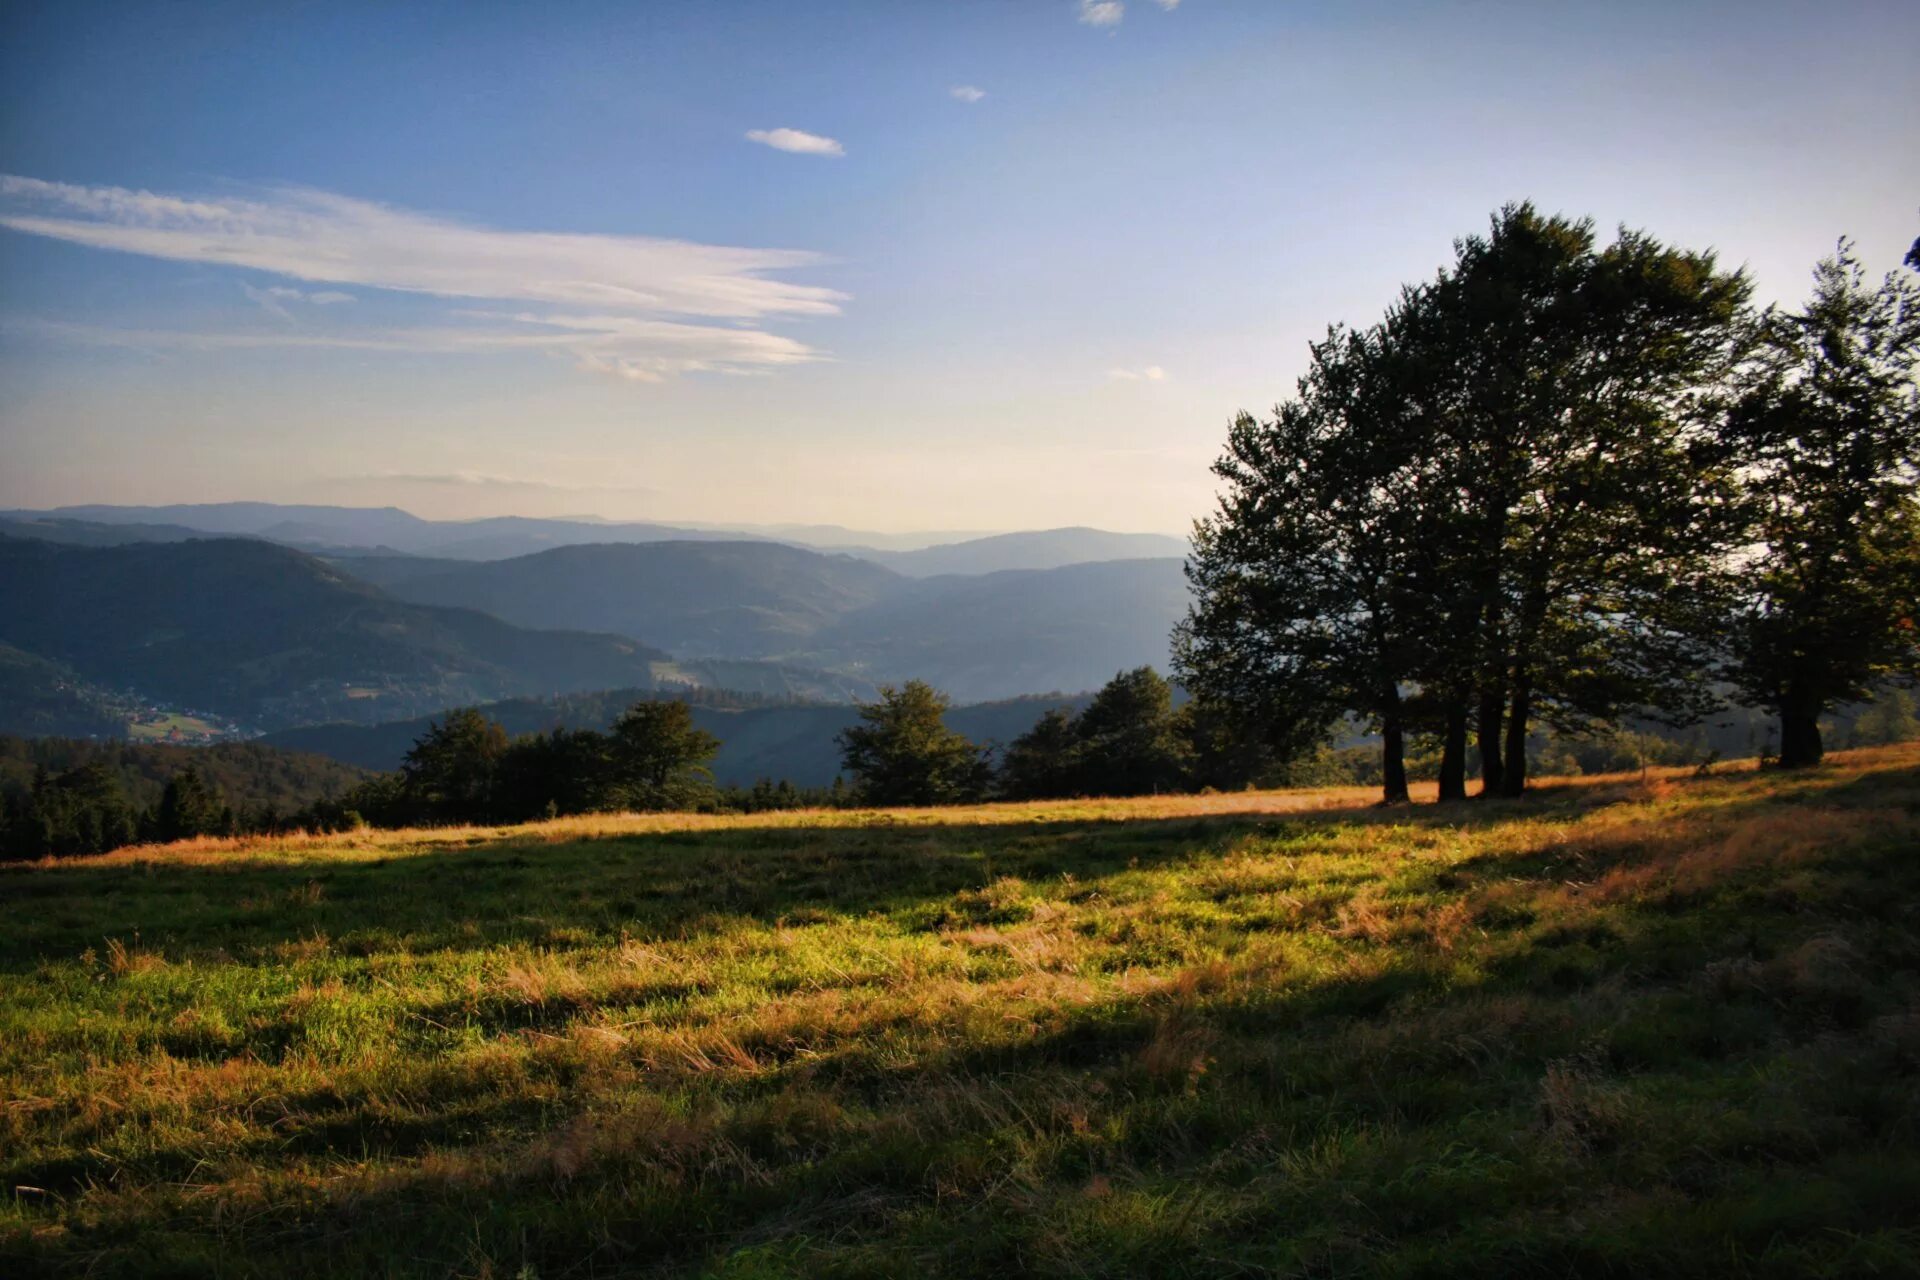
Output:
x=977 y=264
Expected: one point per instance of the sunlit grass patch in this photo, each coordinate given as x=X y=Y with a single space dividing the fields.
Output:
x=1637 y=1024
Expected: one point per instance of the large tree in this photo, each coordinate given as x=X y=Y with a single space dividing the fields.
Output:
x=1831 y=431
x=902 y=751
x=659 y=758
x=1506 y=496
x=1304 y=605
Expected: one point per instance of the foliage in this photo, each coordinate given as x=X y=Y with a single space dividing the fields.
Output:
x=1507 y=494
x=1127 y=742
x=902 y=752
x=1660 y=1028
x=1830 y=432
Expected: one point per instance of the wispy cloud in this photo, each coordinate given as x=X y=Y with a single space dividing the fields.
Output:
x=966 y=93
x=1102 y=13
x=798 y=141
x=626 y=347
x=621 y=301
x=1168 y=5
x=1152 y=373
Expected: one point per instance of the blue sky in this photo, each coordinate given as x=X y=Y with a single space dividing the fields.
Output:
x=478 y=258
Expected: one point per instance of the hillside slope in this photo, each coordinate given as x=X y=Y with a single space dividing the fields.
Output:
x=1037 y=549
x=698 y=599
x=264 y=633
x=978 y=637
x=1661 y=1026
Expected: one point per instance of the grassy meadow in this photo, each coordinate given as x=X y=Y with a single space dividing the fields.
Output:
x=1643 y=1025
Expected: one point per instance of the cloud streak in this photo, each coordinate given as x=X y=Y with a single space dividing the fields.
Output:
x=1102 y=13
x=798 y=141
x=630 y=304
x=966 y=93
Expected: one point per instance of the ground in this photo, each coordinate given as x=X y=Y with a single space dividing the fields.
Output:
x=1659 y=1024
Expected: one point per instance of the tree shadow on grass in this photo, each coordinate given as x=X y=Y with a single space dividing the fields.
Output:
x=523 y=890
x=1435 y=1089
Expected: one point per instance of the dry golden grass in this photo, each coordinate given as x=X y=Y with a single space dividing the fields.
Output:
x=1625 y=1025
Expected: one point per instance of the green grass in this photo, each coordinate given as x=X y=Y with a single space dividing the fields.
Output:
x=158 y=728
x=1628 y=1027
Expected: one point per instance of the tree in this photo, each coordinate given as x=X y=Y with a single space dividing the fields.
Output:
x=565 y=771
x=1128 y=744
x=1044 y=761
x=1302 y=609
x=658 y=758
x=1831 y=429
x=1507 y=496
x=1587 y=494
x=190 y=806
x=449 y=773
x=902 y=752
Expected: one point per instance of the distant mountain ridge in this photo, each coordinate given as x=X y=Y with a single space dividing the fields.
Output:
x=272 y=636
x=978 y=637
x=345 y=529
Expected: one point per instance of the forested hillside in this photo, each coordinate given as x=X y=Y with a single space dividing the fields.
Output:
x=267 y=634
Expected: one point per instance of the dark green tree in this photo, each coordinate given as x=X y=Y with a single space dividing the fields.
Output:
x=1128 y=741
x=449 y=773
x=1304 y=602
x=1831 y=432
x=659 y=759
x=1507 y=497
x=190 y=806
x=1043 y=762
x=902 y=752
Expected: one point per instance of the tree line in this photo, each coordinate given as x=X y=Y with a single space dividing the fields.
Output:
x=1563 y=484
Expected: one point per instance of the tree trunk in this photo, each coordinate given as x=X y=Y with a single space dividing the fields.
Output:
x=1491 y=773
x=1393 y=754
x=1513 y=779
x=1453 y=752
x=1800 y=744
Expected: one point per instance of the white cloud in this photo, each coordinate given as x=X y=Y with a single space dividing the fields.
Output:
x=1168 y=5
x=630 y=348
x=966 y=93
x=1152 y=373
x=1102 y=13
x=320 y=237
x=798 y=141
x=623 y=301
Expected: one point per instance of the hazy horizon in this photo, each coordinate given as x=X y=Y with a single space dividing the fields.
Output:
x=978 y=268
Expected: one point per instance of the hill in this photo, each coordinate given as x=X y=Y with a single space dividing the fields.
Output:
x=361 y=529
x=980 y=637
x=264 y=633
x=699 y=599
x=1039 y=549
x=42 y=697
x=778 y=740
x=999 y=635
x=250 y=776
x=1657 y=1026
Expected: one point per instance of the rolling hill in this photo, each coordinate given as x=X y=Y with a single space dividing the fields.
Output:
x=1040 y=549
x=264 y=633
x=979 y=637
x=696 y=599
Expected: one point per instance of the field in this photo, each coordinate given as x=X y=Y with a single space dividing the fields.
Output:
x=161 y=728
x=1643 y=1025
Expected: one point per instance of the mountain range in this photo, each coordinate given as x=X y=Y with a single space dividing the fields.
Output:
x=326 y=528
x=107 y=609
